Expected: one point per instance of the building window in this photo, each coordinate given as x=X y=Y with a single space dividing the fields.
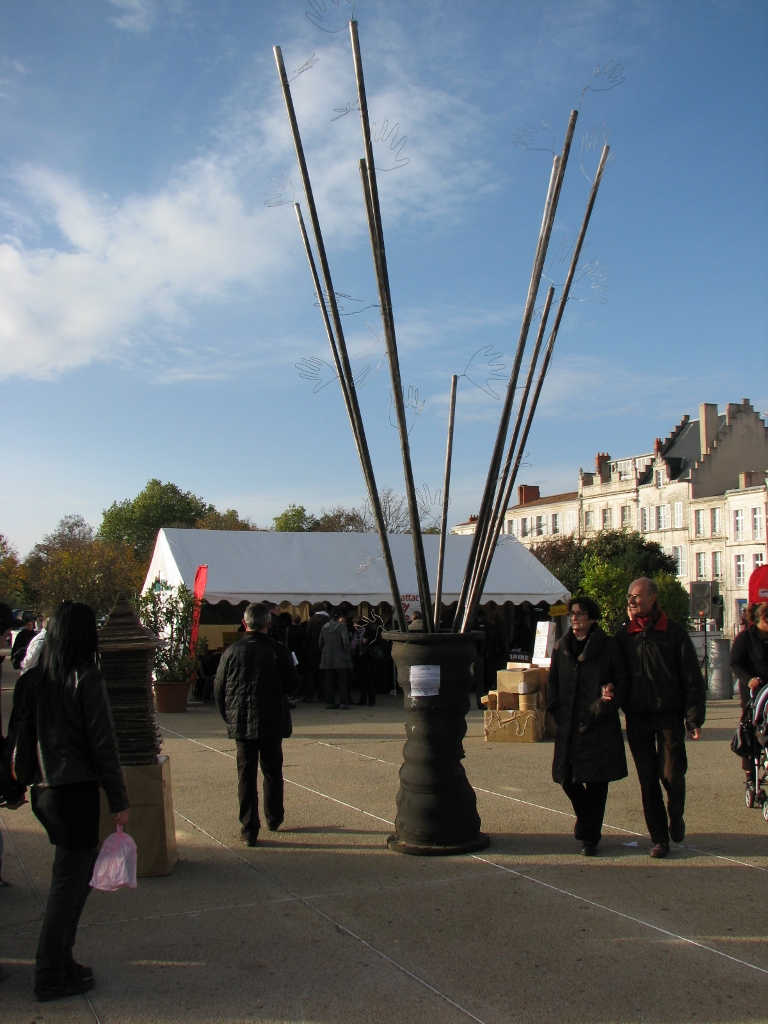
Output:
x=511 y=527
x=701 y=565
x=644 y=524
x=659 y=477
x=678 y=515
x=698 y=521
x=626 y=517
x=681 y=557
x=741 y=570
x=758 y=559
x=557 y=522
x=589 y=520
x=757 y=524
x=738 y=524
x=607 y=518
x=570 y=519
x=717 y=565
x=716 y=521
x=662 y=517
x=540 y=526
x=523 y=527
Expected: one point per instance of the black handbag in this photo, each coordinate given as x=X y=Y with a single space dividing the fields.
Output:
x=743 y=742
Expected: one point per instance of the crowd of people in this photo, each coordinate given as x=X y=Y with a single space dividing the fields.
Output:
x=649 y=669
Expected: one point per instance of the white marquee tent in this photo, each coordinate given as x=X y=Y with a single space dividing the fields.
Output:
x=336 y=567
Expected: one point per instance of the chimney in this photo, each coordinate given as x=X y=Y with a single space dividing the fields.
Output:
x=526 y=493
x=658 y=444
x=602 y=460
x=708 y=424
x=473 y=519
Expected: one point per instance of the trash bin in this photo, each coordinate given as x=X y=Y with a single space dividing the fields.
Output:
x=720 y=675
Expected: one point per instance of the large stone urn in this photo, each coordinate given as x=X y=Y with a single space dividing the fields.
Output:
x=436 y=806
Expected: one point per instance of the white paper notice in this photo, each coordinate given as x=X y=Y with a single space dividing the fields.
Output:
x=425 y=680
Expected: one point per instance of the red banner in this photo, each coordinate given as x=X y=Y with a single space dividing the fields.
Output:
x=201 y=578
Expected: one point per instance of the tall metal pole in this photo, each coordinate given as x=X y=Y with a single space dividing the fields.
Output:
x=341 y=356
x=480 y=583
x=548 y=219
x=373 y=210
x=500 y=506
x=446 y=488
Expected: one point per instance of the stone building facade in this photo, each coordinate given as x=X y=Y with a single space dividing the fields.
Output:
x=700 y=493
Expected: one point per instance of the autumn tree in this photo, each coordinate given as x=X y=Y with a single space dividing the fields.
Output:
x=12 y=572
x=136 y=521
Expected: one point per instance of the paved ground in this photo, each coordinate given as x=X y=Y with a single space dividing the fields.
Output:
x=322 y=924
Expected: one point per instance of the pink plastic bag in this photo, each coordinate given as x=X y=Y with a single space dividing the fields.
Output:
x=115 y=866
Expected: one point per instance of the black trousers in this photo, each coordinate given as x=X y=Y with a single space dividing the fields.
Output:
x=251 y=753
x=657 y=743
x=588 y=799
x=70 y=886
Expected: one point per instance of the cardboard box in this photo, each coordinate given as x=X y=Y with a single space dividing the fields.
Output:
x=530 y=701
x=527 y=680
x=514 y=726
x=150 y=822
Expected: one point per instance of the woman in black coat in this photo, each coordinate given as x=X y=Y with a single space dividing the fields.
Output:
x=587 y=682
x=749 y=663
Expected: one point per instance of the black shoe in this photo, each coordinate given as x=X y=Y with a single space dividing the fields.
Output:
x=73 y=971
x=578 y=831
x=589 y=849
x=68 y=987
x=248 y=839
x=659 y=850
x=677 y=830
x=273 y=826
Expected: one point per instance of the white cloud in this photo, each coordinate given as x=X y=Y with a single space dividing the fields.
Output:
x=138 y=15
x=118 y=270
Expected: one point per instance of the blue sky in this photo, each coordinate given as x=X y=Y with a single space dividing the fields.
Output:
x=153 y=306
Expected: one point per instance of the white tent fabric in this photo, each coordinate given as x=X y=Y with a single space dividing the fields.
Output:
x=336 y=567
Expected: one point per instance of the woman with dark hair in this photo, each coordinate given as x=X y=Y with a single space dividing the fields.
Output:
x=749 y=663
x=65 y=697
x=587 y=682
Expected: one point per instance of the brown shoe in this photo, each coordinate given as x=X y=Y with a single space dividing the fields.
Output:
x=659 y=850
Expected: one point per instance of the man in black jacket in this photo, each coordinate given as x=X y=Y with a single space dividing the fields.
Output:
x=254 y=676
x=666 y=701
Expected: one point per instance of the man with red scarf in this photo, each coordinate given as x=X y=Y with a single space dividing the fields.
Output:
x=666 y=701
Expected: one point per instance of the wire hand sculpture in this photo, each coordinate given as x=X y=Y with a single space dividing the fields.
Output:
x=485 y=370
x=282 y=193
x=412 y=404
x=348 y=306
x=593 y=142
x=330 y=16
x=430 y=506
x=309 y=63
x=343 y=111
x=365 y=364
x=529 y=134
x=391 y=156
x=606 y=77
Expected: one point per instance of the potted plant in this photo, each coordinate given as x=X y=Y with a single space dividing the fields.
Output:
x=168 y=613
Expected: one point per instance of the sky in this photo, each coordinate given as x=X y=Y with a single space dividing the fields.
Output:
x=157 y=316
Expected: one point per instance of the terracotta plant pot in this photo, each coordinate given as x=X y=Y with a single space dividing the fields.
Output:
x=436 y=806
x=171 y=697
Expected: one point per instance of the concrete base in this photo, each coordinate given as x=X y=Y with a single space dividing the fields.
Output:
x=151 y=819
x=482 y=842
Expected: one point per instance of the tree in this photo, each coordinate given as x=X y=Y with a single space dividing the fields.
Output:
x=229 y=520
x=674 y=599
x=631 y=551
x=12 y=572
x=563 y=556
x=295 y=519
x=136 y=521
x=72 y=563
x=608 y=585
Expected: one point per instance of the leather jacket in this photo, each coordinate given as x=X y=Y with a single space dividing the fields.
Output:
x=76 y=739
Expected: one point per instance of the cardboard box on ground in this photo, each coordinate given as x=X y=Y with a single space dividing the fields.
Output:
x=150 y=822
x=516 y=709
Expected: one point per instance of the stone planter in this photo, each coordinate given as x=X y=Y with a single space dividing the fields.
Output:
x=436 y=806
x=171 y=697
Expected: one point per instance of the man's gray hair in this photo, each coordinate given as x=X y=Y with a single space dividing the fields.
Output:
x=257 y=615
x=652 y=586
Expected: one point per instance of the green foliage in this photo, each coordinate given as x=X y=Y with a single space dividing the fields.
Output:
x=674 y=599
x=72 y=563
x=631 y=551
x=563 y=556
x=168 y=612
x=12 y=573
x=608 y=585
x=229 y=520
x=136 y=521
x=295 y=519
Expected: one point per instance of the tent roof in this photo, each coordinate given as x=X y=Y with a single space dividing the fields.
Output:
x=335 y=567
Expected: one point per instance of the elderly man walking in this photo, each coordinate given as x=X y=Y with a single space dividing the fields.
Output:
x=253 y=677
x=666 y=701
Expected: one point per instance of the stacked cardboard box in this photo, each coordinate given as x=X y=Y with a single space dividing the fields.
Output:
x=516 y=708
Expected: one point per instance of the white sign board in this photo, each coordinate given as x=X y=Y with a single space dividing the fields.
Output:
x=545 y=641
x=425 y=680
